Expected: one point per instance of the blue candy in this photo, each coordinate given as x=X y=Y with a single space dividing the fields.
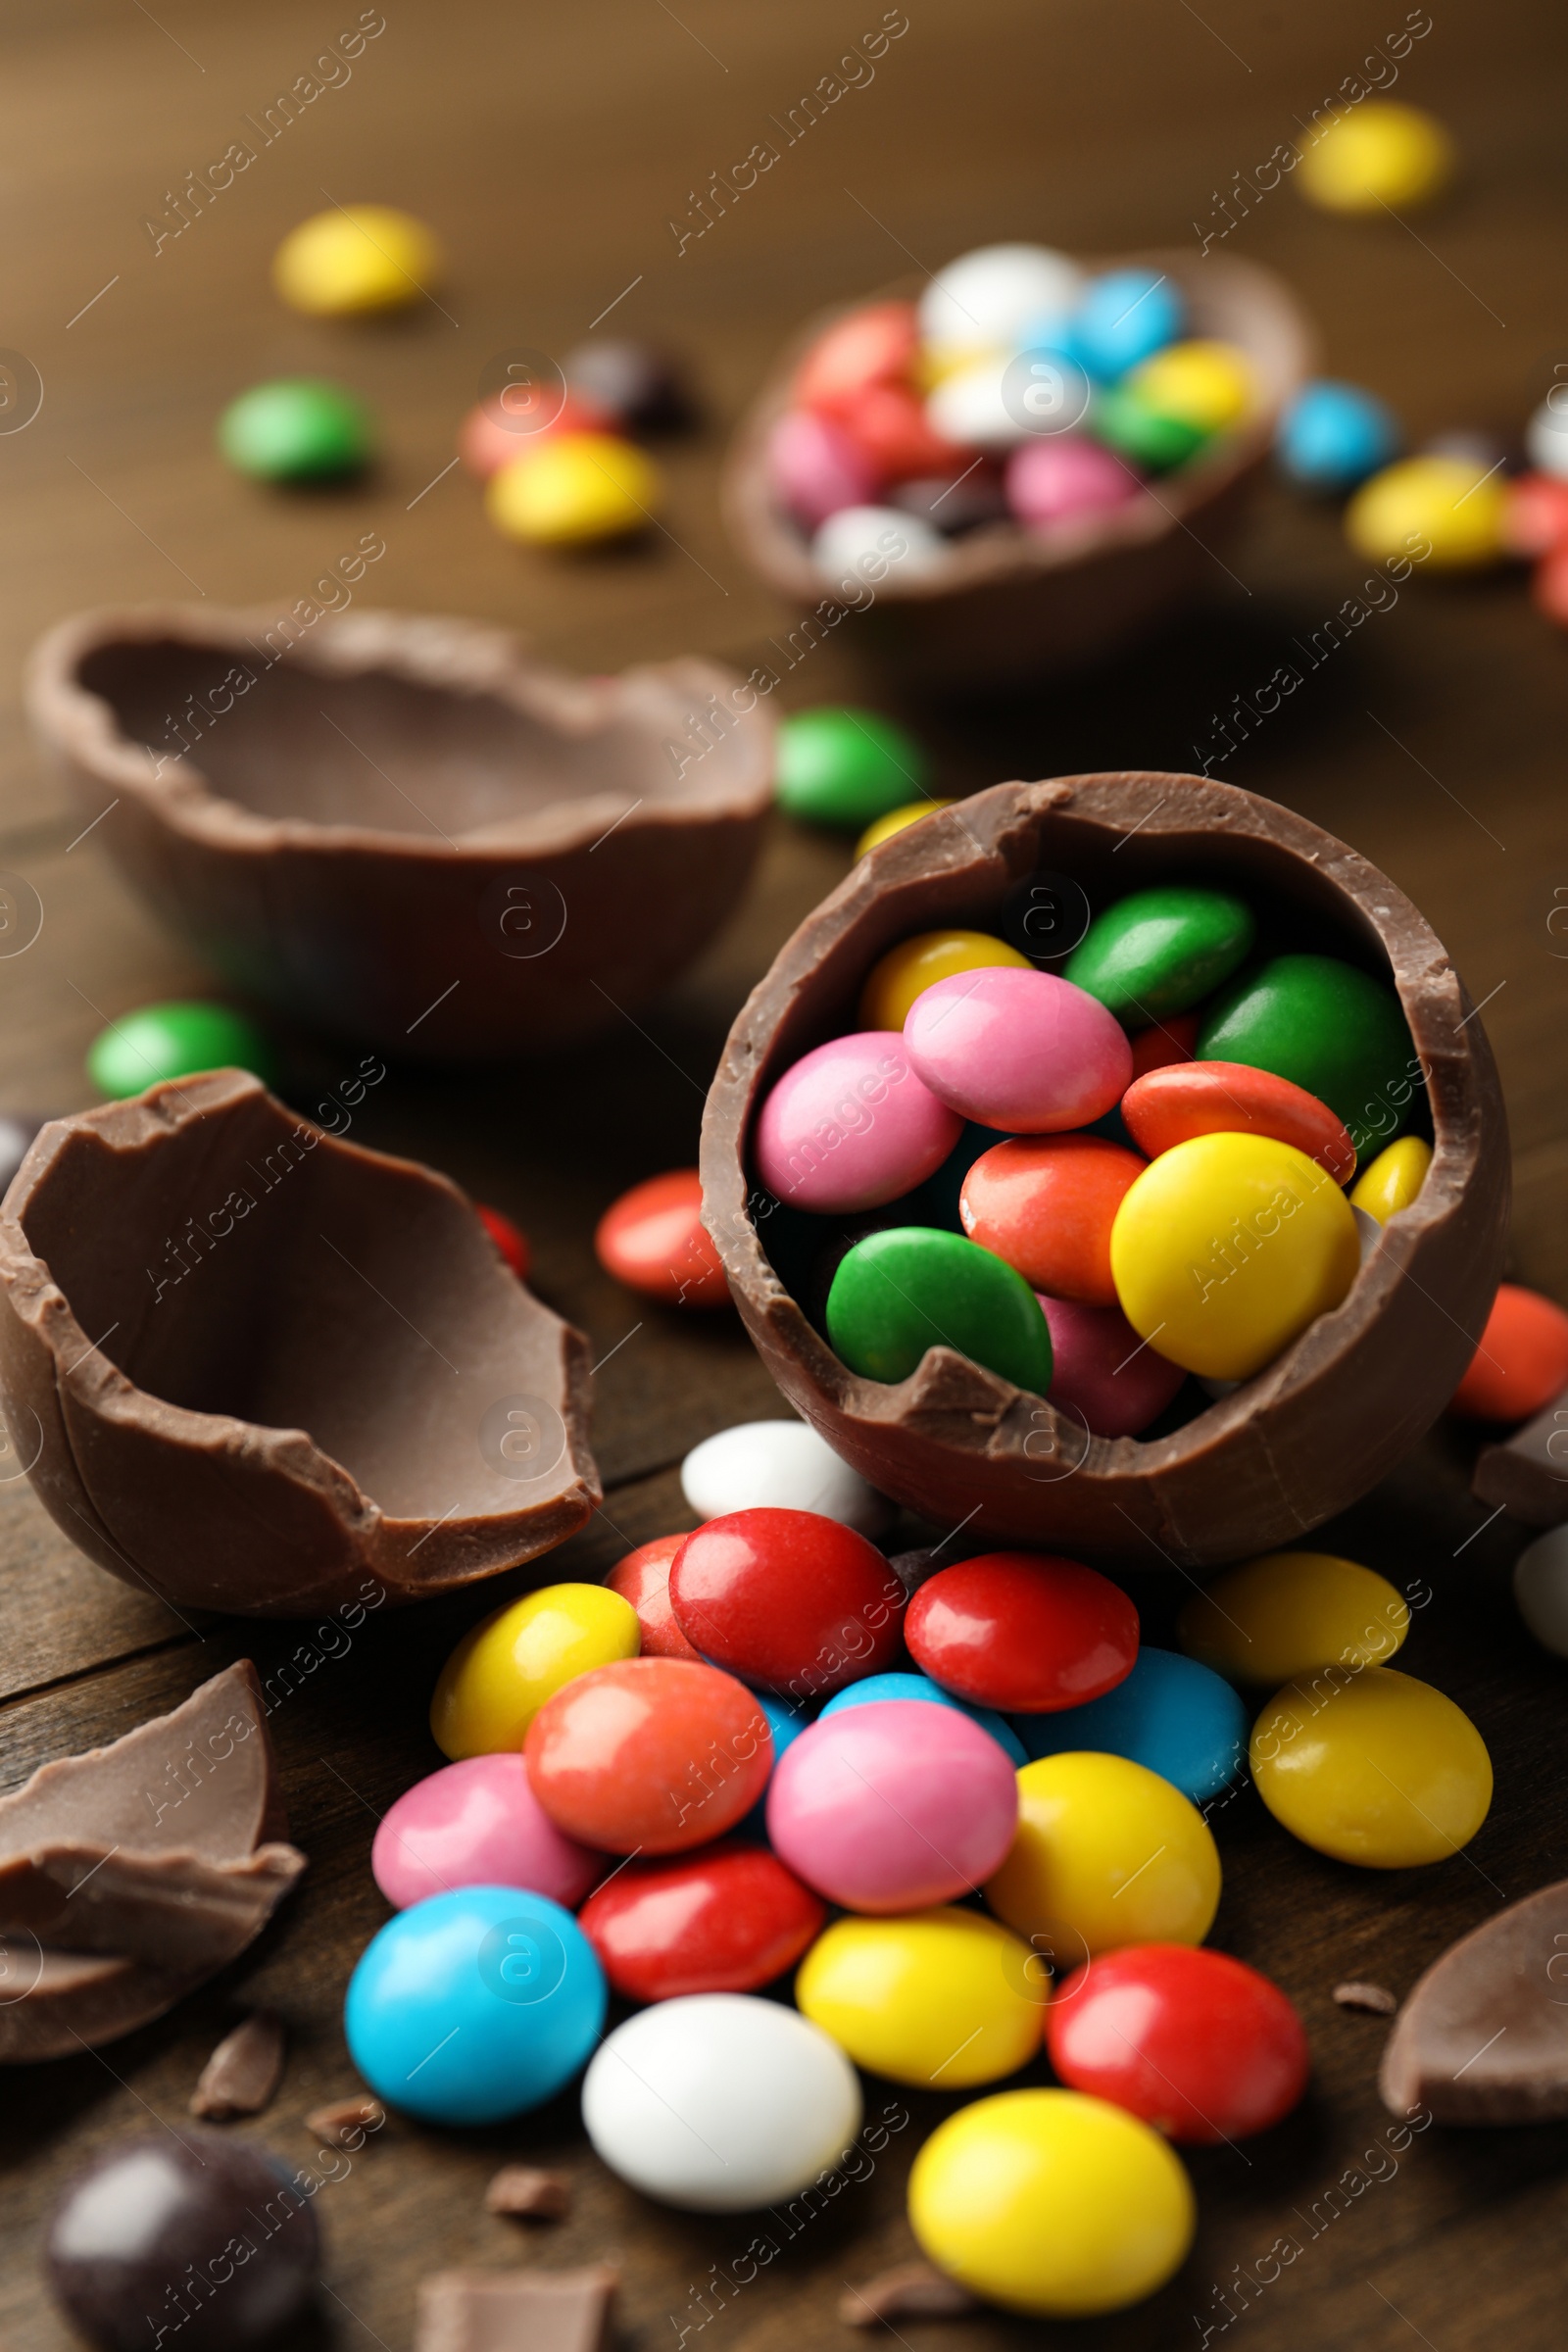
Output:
x=475 y=2005
x=920 y=1686
x=1172 y=1714
x=786 y=1724
x=1124 y=317
x=1333 y=436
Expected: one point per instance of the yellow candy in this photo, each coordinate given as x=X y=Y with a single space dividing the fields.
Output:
x=1384 y=155
x=883 y=828
x=1052 y=2203
x=354 y=258
x=1393 y=1179
x=1442 y=505
x=1374 y=1768
x=1207 y=385
x=575 y=488
x=917 y=963
x=1106 y=1853
x=1290 y=1613
x=500 y=1674
x=1226 y=1247
x=935 y=1998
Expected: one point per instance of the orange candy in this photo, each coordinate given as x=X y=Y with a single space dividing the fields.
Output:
x=1535 y=516
x=1169 y=1106
x=653 y=1240
x=871 y=346
x=1046 y=1204
x=649 y=1755
x=1166 y=1043
x=1522 y=1361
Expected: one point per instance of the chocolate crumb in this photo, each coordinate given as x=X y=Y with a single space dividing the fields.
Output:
x=911 y=2291
x=493 y=2310
x=1372 y=1997
x=523 y=2192
x=345 y=2123
x=243 y=2073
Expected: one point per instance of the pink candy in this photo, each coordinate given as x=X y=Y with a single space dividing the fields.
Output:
x=893 y=1806
x=1060 y=476
x=1104 y=1371
x=1022 y=1052
x=816 y=469
x=478 y=1824
x=851 y=1126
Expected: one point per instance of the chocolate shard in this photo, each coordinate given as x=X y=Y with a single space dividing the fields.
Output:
x=506 y=2311
x=1375 y=1999
x=524 y=2192
x=243 y=2073
x=911 y=2291
x=131 y=1872
x=1529 y=1474
x=345 y=2123
x=1484 y=2037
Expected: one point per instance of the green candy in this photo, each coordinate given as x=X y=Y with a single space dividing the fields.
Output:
x=175 y=1041
x=847 y=767
x=296 y=430
x=899 y=1293
x=1160 y=950
x=1124 y=420
x=1328 y=1027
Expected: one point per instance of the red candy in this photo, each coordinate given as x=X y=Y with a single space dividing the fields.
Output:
x=1166 y=1042
x=872 y=346
x=487 y=441
x=1522 y=1361
x=1024 y=1630
x=726 y=1920
x=887 y=425
x=1170 y=1107
x=643 y=1579
x=508 y=1239
x=649 y=1755
x=653 y=1240
x=1534 y=516
x=1197 y=2043
x=788 y=1600
x=1047 y=1204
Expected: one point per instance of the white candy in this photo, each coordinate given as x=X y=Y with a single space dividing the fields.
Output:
x=867 y=545
x=1547 y=437
x=968 y=408
x=782 y=1465
x=719 y=2102
x=985 y=300
x=1541 y=1589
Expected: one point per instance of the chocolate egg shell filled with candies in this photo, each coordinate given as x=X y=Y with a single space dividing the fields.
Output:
x=255 y=1367
x=407 y=831
x=1343 y=1401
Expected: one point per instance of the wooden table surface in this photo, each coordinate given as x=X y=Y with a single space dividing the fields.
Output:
x=551 y=150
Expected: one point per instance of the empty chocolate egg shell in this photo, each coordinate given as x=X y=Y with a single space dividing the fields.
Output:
x=1339 y=1407
x=257 y=1368
x=407 y=831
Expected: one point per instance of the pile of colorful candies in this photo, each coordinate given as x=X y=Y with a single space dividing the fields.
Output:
x=1095 y=1179
x=1017 y=390
x=764 y=1747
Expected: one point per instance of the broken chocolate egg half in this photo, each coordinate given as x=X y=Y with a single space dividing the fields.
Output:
x=408 y=830
x=1318 y=1427
x=251 y=1366
x=1007 y=602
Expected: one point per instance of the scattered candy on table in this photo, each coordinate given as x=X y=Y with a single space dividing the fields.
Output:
x=1541 y=1589
x=505 y=1668
x=796 y=1603
x=875 y=1687
x=649 y=1755
x=180 y=1040
x=643 y=1579
x=1440 y=512
x=847 y=767
x=1521 y=1359
x=508 y=425
x=477 y=1824
x=475 y=2005
x=727 y=1919
x=1385 y=157
x=1332 y=436
x=297 y=430
x=783 y=1464
x=1290 y=1613
x=721 y=2102
x=941 y=1997
x=1170 y=1714
x=652 y=1238
x=1108 y=1853
x=638 y=383
x=354 y=258
x=509 y=1238
x=1373 y=1768
x=575 y=489
x=1023 y=1631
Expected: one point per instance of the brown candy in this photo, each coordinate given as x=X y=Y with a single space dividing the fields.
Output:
x=501 y=2311
x=1484 y=2037
x=243 y=2073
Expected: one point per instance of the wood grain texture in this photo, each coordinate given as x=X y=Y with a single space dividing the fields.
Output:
x=550 y=152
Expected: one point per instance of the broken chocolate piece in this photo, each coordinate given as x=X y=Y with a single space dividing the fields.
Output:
x=524 y=2192
x=1375 y=1999
x=1484 y=2037
x=1318 y=1427
x=501 y=2311
x=345 y=2123
x=131 y=1872
x=312 y=1371
x=1528 y=1475
x=911 y=2291
x=244 y=2072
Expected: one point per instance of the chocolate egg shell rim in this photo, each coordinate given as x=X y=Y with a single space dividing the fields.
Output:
x=1284 y=353
x=1433 y=999
x=444 y=653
